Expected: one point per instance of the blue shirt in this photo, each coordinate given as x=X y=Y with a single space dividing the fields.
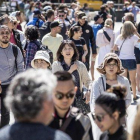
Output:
x=34 y=22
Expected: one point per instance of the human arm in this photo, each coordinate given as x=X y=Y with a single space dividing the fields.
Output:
x=85 y=53
x=0 y=87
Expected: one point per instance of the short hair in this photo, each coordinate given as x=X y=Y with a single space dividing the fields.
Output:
x=50 y=13
x=4 y=27
x=32 y=32
x=62 y=45
x=64 y=76
x=61 y=11
x=130 y=16
x=28 y=91
x=3 y=19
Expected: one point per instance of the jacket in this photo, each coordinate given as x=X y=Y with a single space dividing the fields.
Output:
x=97 y=89
x=83 y=73
x=79 y=127
x=88 y=36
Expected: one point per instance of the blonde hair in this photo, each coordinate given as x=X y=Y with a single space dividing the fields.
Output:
x=136 y=127
x=128 y=29
x=108 y=23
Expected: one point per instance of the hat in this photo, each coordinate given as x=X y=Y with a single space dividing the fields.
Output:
x=106 y=58
x=14 y=14
x=55 y=24
x=37 y=12
x=97 y=17
x=46 y=8
x=41 y=55
x=81 y=15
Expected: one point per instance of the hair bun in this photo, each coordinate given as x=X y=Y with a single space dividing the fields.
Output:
x=118 y=90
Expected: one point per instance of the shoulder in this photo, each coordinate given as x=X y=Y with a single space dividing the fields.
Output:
x=56 y=63
x=122 y=78
x=104 y=136
x=59 y=135
x=81 y=64
x=5 y=133
x=59 y=36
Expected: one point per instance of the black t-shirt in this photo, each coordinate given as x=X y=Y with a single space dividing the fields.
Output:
x=79 y=45
x=104 y=16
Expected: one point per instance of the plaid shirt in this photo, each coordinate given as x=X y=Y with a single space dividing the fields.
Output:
x=30 y=53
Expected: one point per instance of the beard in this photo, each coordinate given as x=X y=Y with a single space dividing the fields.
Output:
x=5 y=42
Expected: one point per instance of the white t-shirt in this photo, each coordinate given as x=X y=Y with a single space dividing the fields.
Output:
x=127 y=50
x=53 y=43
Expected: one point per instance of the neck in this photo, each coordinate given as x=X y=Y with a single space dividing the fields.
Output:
x=49 y=20
x=67 y=61
x=53 y=34
x=111 y=77
x=2 y=45
x=75 y=37
x=61 y=113
x=114 y=128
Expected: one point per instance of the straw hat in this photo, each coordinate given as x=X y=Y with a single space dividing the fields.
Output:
x=41 y=55
x=106 y=58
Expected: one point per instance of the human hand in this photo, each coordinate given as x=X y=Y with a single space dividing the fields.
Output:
x=87 y=96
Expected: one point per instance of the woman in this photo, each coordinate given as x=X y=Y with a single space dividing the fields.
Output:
x=41 y=60
x=125 y=43
x=111 y=68
x=67 y=59
x=103 y=43
x=109 y=109
x=80 y=43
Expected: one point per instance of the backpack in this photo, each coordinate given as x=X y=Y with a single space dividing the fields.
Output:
x=40 y=46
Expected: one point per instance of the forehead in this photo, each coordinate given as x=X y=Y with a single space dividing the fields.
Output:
x=4 y=29
x=65 y=86
x=99 y=109
x=67 y=46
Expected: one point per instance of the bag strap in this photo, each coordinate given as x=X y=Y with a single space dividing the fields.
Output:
x=103 y=83
x=15 y=52
x=122 y=45
x=106 y=35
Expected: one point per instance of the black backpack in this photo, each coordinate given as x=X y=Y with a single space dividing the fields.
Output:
x=40 y=46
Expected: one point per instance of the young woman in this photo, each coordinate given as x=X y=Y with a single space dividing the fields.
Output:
x=111 y=68
x=41 y=60
x=67 y=59
x=80 y=43
x=125 y=43
x=109 y=109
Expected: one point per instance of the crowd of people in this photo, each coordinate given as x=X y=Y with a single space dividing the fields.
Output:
x=63 y=78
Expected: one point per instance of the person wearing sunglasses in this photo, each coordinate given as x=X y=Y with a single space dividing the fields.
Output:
x=65 y=117
x=67 y=60
x=109 y=110
x=111 y=68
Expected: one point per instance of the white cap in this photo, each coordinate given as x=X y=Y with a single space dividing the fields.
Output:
x=41 y=55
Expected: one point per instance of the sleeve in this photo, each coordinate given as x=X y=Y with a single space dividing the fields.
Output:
x=136 y=38
x=56 y=67
x=95 y=93
x=92 y=41
x=30 y=53
x=128 y=96
x=112 y=40
x=83 y=41
x=20 y=61
x=44 y=41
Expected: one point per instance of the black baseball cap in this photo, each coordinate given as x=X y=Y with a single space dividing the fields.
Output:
x=81 y=15
x=97 y=17
x=55 y=24
x=37 y=12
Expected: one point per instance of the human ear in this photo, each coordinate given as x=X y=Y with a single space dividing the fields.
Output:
x=115 y=115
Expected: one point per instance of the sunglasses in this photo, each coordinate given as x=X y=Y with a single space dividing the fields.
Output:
x=98 y=117
x=61 y=15
x=60 y=96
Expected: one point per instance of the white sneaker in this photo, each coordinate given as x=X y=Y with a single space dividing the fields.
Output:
x=138 y=93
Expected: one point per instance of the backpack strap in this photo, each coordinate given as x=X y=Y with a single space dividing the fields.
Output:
x=15 y=52
x=73 y=113
x=106 y=35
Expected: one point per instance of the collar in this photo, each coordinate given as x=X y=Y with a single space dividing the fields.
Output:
x=55 y=114
x=82 y=25
x=64 y=63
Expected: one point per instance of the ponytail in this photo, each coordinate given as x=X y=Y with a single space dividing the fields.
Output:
x=73 y=29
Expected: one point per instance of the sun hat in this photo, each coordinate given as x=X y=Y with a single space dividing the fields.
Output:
x=107 y=57
x=41 y=55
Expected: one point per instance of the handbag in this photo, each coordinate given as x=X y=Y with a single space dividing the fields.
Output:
x=119 y=50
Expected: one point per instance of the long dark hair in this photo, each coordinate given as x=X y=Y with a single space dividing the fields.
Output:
x=71 y=44
x=73 y=29
x=113 y=100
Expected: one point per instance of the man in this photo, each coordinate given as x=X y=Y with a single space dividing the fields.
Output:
x=53 y=39
x=45 y=29
x=10 y=65
x=15 y=37
x=65 y=24
x=66 y=118
x=30 y=99
x=38 y=19
x=134 y=9
x=88 y=36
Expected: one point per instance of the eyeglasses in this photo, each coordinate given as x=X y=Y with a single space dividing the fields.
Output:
x=111 y=65
x=98 y=117
x=60 y=96
x=5 y=33
x=61 y=15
